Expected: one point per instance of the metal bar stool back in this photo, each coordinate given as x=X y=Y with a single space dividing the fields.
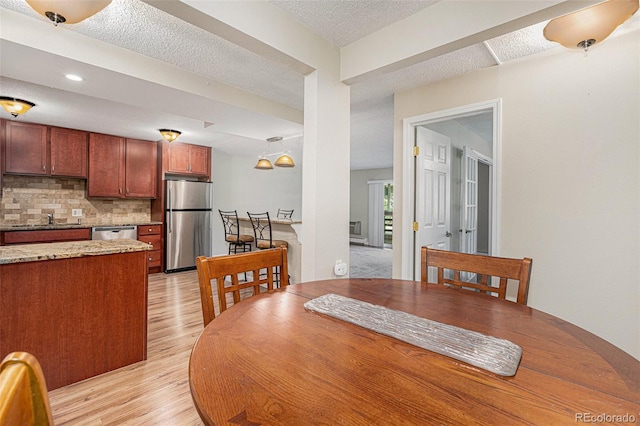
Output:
x=238 y=243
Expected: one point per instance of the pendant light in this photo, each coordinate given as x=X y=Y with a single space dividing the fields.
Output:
x=591 y=25
x=15 y=106
x=67 y=11
x=169 y=135
x=263 y=164
x=284 y=159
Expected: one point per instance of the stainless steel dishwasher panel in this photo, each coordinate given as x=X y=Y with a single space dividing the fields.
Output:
x=114 y=232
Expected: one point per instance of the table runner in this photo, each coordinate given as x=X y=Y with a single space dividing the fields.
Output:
x=497 y=355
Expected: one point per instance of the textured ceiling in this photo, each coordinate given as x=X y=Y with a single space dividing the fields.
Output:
x=109 y=100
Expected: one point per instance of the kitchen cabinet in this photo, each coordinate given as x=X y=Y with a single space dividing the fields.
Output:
x=25 y=148
x=80 y=316
x=121 y=168
x=187 y=159
x=35 y=149
x=152 y=235
x=44 y=236
x=69 y=150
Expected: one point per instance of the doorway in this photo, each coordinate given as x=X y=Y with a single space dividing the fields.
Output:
x=474 y=168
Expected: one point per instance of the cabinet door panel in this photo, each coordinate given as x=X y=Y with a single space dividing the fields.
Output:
x=140 y=169
x=178 y=161
x=26 y=148
x=199 y=160
x=106 y=166
x=68 y=152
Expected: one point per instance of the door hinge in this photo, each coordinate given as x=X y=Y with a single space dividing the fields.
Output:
x=416 y=150
x=416 y=226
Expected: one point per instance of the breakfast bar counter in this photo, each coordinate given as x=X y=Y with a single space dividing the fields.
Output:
x=79 y=307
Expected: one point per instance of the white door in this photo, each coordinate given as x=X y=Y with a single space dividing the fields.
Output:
x=433 y=193
x=469 y=220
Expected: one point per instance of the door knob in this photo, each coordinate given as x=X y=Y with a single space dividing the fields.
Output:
x=448 y=234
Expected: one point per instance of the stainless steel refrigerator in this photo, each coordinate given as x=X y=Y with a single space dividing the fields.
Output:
x=188 y=229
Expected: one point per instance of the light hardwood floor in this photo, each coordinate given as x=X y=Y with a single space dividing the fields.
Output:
x=151 y=392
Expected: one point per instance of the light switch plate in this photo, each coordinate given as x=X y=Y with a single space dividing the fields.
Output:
x=76 y=212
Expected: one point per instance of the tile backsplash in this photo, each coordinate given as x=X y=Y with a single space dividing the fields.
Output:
x=26 y=200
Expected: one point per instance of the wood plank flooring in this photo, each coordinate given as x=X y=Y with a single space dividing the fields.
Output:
x=151 y=392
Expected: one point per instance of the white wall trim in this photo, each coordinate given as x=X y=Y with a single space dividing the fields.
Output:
x=408 y=175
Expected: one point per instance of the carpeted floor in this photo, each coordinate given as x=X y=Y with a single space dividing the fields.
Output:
x=369 y=262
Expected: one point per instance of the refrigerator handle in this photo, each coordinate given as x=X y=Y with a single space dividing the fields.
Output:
x=169 y=204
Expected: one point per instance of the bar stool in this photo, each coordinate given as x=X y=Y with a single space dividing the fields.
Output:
x=263 y=237
x=284 y=214
x=238 y=243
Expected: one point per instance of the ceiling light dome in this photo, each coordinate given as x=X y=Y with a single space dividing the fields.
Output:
x=68 y=11
x=15 y=106
x=590 y=25
x=169 y=135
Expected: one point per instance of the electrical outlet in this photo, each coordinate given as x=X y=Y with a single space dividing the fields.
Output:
x=76 y=212
x=340 y=269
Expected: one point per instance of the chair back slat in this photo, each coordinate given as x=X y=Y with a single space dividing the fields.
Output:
x=485 y=267
x=23 y=392
x=215 y=270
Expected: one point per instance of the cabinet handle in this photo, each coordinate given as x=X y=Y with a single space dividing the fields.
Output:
x=53 y=169
x=44 y=168
x=127 y=190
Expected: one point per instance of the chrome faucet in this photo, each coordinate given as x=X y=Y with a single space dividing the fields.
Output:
x=50 y=216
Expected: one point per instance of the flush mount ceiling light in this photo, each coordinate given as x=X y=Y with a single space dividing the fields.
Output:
x=68 y=11
x=15 y=106
x=169 y=135
x=591 y=25
x=284 y=159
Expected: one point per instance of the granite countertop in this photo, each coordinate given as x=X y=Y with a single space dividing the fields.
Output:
x=48 y=251
x=37 y=227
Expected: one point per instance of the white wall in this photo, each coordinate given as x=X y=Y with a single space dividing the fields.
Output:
x=570 y=177
x=359 y=196
x=238 y=186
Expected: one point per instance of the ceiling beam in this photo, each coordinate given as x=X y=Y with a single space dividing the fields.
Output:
x=443 y=28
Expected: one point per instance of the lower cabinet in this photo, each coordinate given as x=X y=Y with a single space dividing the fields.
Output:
x=152 y=235
x=44 y=236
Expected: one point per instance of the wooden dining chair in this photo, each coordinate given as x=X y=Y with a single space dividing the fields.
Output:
x=217 y=268
x=23 y=392
x=484 y=268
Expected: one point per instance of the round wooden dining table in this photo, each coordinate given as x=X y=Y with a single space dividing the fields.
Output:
x=270 y=361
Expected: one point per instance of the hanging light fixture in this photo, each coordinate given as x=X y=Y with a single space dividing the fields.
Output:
x=15 y=106
x=263 y=164
x=169 y=135
x=284 y=159
x=591 y=25
x=67 y=11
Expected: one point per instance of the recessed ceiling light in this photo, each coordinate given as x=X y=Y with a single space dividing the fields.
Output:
x=74 y=77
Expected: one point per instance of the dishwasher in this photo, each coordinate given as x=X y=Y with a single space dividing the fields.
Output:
x=114 y=232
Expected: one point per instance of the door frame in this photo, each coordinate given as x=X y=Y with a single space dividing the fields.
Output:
x=408 y=174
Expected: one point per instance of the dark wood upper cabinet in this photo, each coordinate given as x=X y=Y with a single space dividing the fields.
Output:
x=121 y=168
x=106 y=168
x=140 y=168
x=28 y=150
x=69 y=151
x=187 y=159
